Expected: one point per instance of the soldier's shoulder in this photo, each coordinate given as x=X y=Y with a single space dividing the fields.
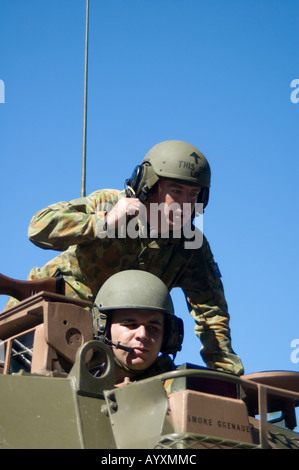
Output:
x=105 y=192
x=106 y=195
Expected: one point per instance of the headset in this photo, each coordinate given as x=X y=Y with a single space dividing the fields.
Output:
x=173 y=331
x=173 y=334
x=141 y=182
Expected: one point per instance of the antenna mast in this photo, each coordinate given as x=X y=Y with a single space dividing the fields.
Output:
x=83 y=176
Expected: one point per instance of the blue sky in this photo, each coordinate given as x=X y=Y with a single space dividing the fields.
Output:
x=214 y=73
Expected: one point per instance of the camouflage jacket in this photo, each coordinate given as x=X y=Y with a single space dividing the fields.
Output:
x=90 y=255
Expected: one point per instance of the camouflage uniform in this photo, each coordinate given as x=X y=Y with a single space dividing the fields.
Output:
x=88 y=260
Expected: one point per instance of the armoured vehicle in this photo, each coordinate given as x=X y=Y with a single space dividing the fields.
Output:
x=50 y=397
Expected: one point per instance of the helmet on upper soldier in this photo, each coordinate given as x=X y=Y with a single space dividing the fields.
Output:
x=171 y=159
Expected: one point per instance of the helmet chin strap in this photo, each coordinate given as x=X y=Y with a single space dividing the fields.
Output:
x=118 y=363
x=123 y=366
x=156 y=367
x=127 y=369
x=118 y=345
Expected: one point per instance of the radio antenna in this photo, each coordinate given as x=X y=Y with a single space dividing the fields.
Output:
x=83 y=175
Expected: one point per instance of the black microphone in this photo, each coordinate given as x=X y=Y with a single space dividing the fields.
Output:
x=115 y=345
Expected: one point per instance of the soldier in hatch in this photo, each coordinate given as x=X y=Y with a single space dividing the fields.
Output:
x=133 y=312
x=96 y=237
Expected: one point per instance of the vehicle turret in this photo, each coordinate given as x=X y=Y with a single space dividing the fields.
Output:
x=51 y=398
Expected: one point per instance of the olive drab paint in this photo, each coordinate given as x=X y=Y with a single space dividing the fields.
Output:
x=50 y=397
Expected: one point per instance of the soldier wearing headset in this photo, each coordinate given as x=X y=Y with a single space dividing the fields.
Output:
x=98 y=238
x=133 y=313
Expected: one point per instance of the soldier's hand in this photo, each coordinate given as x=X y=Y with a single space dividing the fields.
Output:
x=125 y=206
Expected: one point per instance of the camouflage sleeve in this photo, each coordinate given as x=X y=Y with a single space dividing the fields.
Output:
x=208 y=307
x=61 y=225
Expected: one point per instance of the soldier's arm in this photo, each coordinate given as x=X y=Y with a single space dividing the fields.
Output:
x=69 y=223
x=208 y=307
x=212 y=328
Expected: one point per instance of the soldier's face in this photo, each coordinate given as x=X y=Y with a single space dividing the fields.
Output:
x=178 y=201
x=141 y=330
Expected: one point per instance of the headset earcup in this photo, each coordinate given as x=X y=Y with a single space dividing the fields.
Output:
x=132 y=184
x=174 y=334
x=203 y=196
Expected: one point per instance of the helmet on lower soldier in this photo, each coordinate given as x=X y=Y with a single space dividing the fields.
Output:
x=137 y=290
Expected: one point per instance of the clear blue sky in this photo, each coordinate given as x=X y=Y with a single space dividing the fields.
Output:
x=214 y=73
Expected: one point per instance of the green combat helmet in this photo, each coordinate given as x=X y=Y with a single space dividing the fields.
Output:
x=134 y=289
x=171 y=159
